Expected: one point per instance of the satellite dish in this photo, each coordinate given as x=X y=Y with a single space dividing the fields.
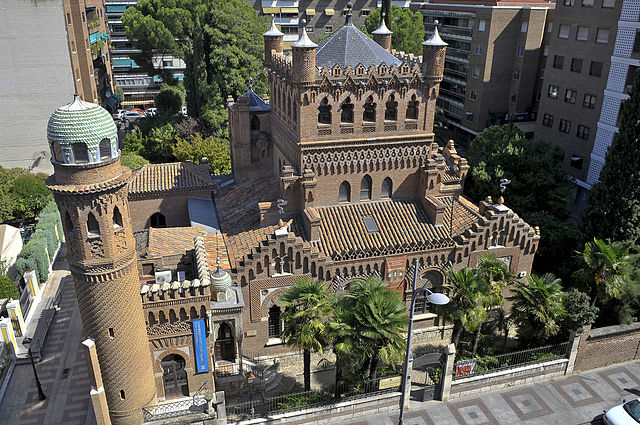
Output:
x=438 y=299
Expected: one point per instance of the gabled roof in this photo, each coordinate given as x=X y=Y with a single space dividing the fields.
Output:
x=255 y=103
x=180 y=240
x=154 y=178
x=350 y=46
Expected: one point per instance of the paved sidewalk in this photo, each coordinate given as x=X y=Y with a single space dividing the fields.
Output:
x=567 y=400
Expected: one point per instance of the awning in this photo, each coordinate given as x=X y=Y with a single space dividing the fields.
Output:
x=112 y=8
x=329 y=12
x=289 y=10
x=310 y=12
x=271 y=10
x=137 y=102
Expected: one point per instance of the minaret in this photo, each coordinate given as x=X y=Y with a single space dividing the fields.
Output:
x=91 y=187
x=272 y=41
x=304 y=58
x=382 y=35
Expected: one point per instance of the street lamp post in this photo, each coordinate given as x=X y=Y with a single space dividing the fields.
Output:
x=433 y=298
x=27 y=343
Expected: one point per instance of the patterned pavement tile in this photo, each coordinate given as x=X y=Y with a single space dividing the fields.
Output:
x=526 y=403
x=576 y=391
x=621 y=380
x=472 y=412
x=414 y=418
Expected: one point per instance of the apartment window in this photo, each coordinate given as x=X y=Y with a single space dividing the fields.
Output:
x=538 y=96
x=553 y=92
x=583 y=132
x=608 y=3
x=516 y=74
x=587 y=3
x=565 y=126
x=636 y=43
x=569 y=2
x=472 y=94
x=558 y=61
x=309 y=28
x=576 y=162
x=328 y=28
x=570 y=96
x=602 y=36
x=576 y=65
x=589 y=101
x=475 y=73
x=478 y=49
x=513 y=98
x=481 y=25
x=69 y=18
x=524 y=27
x=547 y=120
x=550 y=26
x=520 y=51
x=595 y=69
x=582 y=34
x=542 y=74
x=545 y=52
x=469 y=116
x=563 y=31
x=84 y=18
x=365 y=12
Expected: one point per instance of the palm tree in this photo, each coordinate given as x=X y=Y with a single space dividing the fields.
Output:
x=502 y=321
x=537 y=307
x=342 y=335
x=496 y=276
x=379 y=319
x=466 y=301
x=307 y=309
x=605 y=271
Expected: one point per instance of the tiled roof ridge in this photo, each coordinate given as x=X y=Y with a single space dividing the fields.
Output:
x=169 y=176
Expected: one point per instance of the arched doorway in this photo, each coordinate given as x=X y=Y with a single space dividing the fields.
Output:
x=225 y=344
x=174 y=377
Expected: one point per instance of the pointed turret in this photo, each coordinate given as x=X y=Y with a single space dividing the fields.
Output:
x=272 y=42
x=382 y=35
x=304 y=57
x=433 y=52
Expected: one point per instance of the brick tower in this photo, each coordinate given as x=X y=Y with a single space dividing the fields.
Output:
x=90 y=188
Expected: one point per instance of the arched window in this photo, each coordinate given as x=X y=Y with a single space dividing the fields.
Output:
x=92 y=225
x=432 y=279
x=412 y=108
x=69 y=224
x=369 y=114
x=387 y=188
x=80 y=153
x=117 y=217
x=255 y=123
x=105 y=149
x=57 y=152
x=365 y=188
x=345 y=192
x=225 y=344
x=172 y=316
x=157 y=220
x=391 y=113
x=324 y=112
x=275 y=324
x=347 y=111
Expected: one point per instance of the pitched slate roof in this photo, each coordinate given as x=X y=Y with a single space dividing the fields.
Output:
x=154 y=178
x=255 y=103
x=350 y=46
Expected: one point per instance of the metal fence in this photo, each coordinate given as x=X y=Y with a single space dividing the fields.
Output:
x=175 y=409
x=490 y=364
x=289 y=402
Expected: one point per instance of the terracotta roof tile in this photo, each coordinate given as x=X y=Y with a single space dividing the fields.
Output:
x=172 y=240
x=242 y=243
x=214 y=245
x=465 y=214
x=167 y=177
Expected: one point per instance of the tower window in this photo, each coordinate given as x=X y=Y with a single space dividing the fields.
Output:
x=369 y=114
x=80 y=153
x=92 y=225
x=345 y=192
x=117 y=217
x=105 y=149
x=365 y=188
x=324 y=112
x=68 y=224
x=387 y=188
x=347 y=111
x=391 y=113
x=412 y=109
x=255 y=123
x=122 y=394
x=275 y=324
x=158 y=220
x=111 y=333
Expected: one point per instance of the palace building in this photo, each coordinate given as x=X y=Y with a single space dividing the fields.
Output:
x=337 y=177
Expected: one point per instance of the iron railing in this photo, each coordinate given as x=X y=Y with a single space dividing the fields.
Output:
x=308 y=399
x=490 y=364
x=175 y=409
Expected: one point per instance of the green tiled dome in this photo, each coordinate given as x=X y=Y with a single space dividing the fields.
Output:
x=220 y=280
x=81 y=122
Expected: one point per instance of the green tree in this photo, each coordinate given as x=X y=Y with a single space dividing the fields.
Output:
x=605 y=270
x=579 y=310
x=343 y=336
x=134 y=143
x=7 y=288
x=7 y=200
x=407 y=28
x=537 y=308
x=466 y=301
x=216 y=151
x=159 y=144
x=614 y=202
x=307 y=308
x=219 y=40
x=379 y=317
x=30 y=195
x=169 y=100
x=132 y=160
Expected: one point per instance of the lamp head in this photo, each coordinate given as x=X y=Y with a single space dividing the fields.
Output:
x=26 y=342
x=438 y=299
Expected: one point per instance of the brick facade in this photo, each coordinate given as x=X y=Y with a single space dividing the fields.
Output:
x=602 y=347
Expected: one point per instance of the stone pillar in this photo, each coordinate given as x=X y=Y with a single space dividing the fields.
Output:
x=15 y=313
x=220 y=406
x=572 y=350
x=98 y=396
x=447 y=372
x=7 y=334
x=31 y=280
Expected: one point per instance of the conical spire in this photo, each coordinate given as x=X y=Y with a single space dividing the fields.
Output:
x=435 y=39
x=304 y=41
x=382 y=29
x=273 y=30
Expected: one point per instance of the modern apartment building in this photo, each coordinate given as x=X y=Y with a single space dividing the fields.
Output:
x=88 y=42
x=138 y=87
x=494 y=61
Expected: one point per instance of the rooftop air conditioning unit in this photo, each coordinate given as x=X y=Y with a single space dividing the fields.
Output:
x=163 y=277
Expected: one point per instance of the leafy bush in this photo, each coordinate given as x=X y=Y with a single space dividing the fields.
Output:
x=296 y=400
x=217 y=151
x=133 y=161
x=169 y=100
x=25 y=264
x=7 y=288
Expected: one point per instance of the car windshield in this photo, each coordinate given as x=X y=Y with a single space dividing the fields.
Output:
x=633 y=409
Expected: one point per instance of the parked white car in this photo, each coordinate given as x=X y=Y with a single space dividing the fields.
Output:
x=625 y=414
x=132 y=116
x=119 y=114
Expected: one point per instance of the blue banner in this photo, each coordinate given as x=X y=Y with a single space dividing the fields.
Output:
x=200 y=342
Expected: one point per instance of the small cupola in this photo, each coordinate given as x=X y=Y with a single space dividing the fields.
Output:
x=382 y=35
x=221 y=284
